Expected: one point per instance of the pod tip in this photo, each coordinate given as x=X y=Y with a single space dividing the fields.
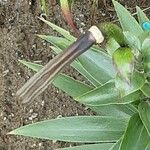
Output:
x=97 y=34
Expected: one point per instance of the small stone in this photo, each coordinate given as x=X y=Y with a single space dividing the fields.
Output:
x=81 y=15
x=77 y=19
x=42 y=103
x=31 y=111
x=82 y=23
x=34 y=46
x=12 y=115
x=54 y=141
x=59 y=116
x=1 y=114
x=103 y=14
x=30 y=118
x=33 y=145
x=34 y=115
x=18 y=73
x=4 y=118
x=5 y=72
x=13 y=94
x=81 y=30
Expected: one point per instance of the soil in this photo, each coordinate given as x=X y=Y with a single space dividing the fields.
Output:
x=18 y=25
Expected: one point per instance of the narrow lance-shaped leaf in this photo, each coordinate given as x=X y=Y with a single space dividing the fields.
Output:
x=112 y=46
x=146 y=46
x=133 y=41
x=60 y=30
x=68 y=16
x=141 y=16
x=101 y=146
x=117 y=145
x=148 y=147
x=137 y=80
x=118 y=111
x=144 y=111
x=33 y=66
x=87 y=129
x=44 y=6
x=146 y=89
x=105 y=95
x=127 y=21
x=136 y=136
x=146 y=54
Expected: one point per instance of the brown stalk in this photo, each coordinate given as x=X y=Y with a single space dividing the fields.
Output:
x=41 y=80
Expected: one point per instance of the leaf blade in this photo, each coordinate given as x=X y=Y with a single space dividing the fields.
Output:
x=107 y=94
x=60 y=30
x=127 y=21
x=141 y=16
x=144 y=111
x=87 y=129
x=136 y=136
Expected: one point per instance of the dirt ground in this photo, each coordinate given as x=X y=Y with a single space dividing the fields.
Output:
x=18 y=26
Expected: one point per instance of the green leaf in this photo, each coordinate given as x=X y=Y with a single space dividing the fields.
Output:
x=146 y=54
x=135 y=137
x=88 y=62
x=136 y=82
x=117 y=145
x=146 y=89
x=118 y=111
x=144 y=111
x=105 y=95
x=87 y=129
x=132 y=41
x=98 y=64
x=146 y=46
x=59 y=42
x=127 y=21
x=33 y=66
x=65 y=83
x=148 y=147
x=147 y=64
x=124 y=61
x=141 y=16
x=72 y=87
x=112 y=46
x=44 y=6
x=101 y=146
x=60 y=30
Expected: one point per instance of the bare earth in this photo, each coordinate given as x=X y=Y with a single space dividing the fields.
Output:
x=18 y=26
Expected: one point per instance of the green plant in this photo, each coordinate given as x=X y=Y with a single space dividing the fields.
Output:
x=119 y=90
x=43 y=6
